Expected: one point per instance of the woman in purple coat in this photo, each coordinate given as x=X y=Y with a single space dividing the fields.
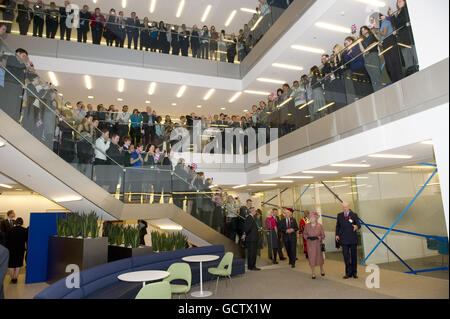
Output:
x=314 y=235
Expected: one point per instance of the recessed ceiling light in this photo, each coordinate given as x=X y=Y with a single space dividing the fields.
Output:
x=199 y=106
x=307 y=49
x=419 y=167
x=124 y=4
x=223 y=109
x=278 y=181
x=235 y=97
x=248 y=10
x=53 y=78
x=383 y=173
x=239 y=186
x=262 y=185
x=60 y=94
x=320 y=172
x=350 y=165
x=88 y=82
x=333 y=27
x=147 y=102
x=19 y=189
x=230 y=18
x=357 y=177
x=374 y=3
x=181 y=91
x=266 y=80
x=256 y=92
x=171 y=227
x=287 y=66
x=390 y=156
x=180 y=8
x=121 y=85
x=119 y=99
x=151 y=89
x=205 y=14
x=334 y=182
x=245 y=110
x=152 y=6
x=209 y=94
x=174 y=104
x=67 y=199
x=5 y=186
x=297 y=177
x=90 y=97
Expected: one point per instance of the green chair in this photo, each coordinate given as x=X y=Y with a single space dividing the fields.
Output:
x=179 y=271
x=223 y=269
x=157 y=290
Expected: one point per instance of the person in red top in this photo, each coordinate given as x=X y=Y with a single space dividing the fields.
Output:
x=97 y=23
x=302 y=225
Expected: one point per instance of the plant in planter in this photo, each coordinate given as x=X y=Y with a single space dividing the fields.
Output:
x=93 y=224
x=115 y=235
x=155 y=240
x=131 y=236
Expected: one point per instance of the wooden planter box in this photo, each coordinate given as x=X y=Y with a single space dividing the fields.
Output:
x=83 y=252
x=119 y=252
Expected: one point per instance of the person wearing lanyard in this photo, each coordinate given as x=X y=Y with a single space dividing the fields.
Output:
x=347 y=223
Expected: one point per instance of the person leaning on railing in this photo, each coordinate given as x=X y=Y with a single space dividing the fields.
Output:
x=83 y=27
x=24 y=16
x=8 y=13
x=51 y=20
x=38 y=18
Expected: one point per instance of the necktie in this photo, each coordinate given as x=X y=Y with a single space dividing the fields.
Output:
x=289 y=223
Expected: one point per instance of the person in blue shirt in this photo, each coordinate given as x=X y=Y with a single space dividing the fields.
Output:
x=354 y=60
x=390 y=50
x=136 y=120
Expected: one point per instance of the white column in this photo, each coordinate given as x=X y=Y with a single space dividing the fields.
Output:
x=429 y=22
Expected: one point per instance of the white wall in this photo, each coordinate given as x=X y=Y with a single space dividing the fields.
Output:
x=429 y=22
x=24 y=204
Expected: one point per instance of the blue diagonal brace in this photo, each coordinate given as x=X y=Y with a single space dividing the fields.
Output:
x=386 y=245
x=399 y=217
x=268 y=201
x=301 y=195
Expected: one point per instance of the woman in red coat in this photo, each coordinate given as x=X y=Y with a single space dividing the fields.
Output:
x=302 y=225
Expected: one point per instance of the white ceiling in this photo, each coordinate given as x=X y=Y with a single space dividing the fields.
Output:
x=135 y=95
x=342 y=12
x=419 y=152
x=166 y=11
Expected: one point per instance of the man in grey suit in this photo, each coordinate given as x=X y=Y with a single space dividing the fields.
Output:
x=4 y=258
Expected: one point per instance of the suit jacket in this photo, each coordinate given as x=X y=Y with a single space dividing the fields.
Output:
x=5 y=226
x=344 y=228
x=250 y=229
x=114 y=153
x=4 y=258
x=283 y=228
x=22 y=15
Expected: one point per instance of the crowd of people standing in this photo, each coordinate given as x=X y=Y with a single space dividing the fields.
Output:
x=205 y=42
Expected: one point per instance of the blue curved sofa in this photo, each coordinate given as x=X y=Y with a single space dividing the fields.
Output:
x=101 y=282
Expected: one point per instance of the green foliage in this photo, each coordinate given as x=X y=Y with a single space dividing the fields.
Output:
x=168 y=242
x=115 y=234
x=131 y=236
x=76 y=225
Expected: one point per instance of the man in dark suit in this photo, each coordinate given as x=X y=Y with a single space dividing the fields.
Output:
x=7 y=224
x=132 y=28
x=149 y=125
x=280 y=234
x=250 y=237
x=24 y=17
x=289 y=228
x=347 y=224
x=243 y=213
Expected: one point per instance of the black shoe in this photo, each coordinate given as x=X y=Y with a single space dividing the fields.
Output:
x=355 y=276
x=313 y=277
x=256 y=268
x=14 y=281
x=283 y=258
x=292 y=266
x=275 y=262
x=346 y=277
x=322 y=274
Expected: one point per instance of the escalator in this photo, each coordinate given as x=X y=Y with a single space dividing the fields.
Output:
x=45 y=152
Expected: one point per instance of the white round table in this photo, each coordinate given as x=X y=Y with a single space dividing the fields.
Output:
x=200 y=259
x=143 y=276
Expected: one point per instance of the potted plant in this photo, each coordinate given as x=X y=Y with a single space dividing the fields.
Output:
x=124 y=242
x=167 y=242
x=76 y=243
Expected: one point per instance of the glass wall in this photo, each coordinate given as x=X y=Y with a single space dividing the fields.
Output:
x=379 y=198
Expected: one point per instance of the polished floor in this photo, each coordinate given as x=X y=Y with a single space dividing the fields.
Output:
x=280 y=281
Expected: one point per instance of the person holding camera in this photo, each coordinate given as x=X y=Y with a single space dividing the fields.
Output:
x=314 y=235
x=347 y=224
